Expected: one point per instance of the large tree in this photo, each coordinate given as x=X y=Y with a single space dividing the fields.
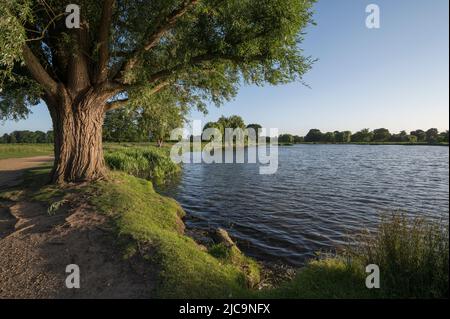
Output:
x=132 y=50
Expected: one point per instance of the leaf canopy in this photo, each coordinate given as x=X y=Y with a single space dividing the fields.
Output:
x=195 y=51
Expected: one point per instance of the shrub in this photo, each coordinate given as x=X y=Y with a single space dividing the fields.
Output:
x=149 y=163
x=412 y=254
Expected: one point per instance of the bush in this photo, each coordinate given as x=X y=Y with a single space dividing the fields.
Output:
x=149 y=163
x=412 y=254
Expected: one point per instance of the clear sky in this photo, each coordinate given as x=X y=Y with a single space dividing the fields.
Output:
x=395 y=77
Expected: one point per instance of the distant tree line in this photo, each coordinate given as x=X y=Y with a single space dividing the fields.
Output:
x=381 y=135
x=118 y=130
x=27 y=137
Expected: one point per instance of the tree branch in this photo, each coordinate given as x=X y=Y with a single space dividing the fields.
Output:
x=207 y=57
x=114 y=105
x=103 y=40
x=79 y=69
x=38 y=72
x=167 y=24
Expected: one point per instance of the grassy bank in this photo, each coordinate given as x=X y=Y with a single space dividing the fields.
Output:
x=151 y=224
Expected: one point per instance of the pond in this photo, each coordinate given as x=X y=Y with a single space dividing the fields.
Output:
x=320 y=195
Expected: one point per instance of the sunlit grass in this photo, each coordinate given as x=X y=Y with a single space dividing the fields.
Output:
x=25 y=150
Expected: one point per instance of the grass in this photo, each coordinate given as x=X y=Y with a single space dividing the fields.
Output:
x=24 y=150
x=328 y=278
x=412 y=254
x=147 y=162
x=145 y=219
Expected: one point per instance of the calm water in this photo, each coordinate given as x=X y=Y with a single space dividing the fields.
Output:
x=320 y=195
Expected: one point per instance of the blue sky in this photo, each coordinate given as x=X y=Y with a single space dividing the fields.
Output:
x=395 y=77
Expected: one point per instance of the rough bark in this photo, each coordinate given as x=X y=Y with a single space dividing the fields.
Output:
x=77 y=126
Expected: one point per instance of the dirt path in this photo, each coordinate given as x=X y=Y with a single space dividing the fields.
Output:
x=12 y=169
x=36 y=247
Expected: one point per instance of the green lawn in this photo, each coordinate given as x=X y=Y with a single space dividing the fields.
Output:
x=25 y=150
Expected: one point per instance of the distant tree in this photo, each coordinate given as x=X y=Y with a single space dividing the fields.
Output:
x=342 y=137
x=347 y=136
x=232 y=122
x=298 y=139
x=363 y=136
x=4 y=139
x=443 y=137
x=339 y=137
x=400 y=137
x=286 y=138
x=50 y=137
x=235 y=122
x=412 y=139
x=158 y=120
x=257 y=128
x=381 y=135
x=328 y=137
x=40 y=137
x=432 y=135
x=23 y=137
x=420 y=134
x=12 y=139
x=121 y=126
x=314 y=136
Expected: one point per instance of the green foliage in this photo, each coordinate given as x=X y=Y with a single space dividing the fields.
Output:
x=233 y=256
x=443 y=137
x=413 y=256
x=145 y=162
x=420 y=134
x=286 y=138
x=381 y=135
x=343 y=137
x=158 y=119
x=327 y=278
x=313 y=136
x=203 y=56
x=121 y=126
x=27 y=137
x=363 y=136
x=17 y=92
x=432 y=136
x=233 y=122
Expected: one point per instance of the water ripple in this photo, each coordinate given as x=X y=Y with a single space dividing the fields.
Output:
x=319 y=195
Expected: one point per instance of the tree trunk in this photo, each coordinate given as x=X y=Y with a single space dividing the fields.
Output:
x=78 y=145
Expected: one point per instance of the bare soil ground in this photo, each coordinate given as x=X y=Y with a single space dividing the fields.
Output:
x=12 y=169
x=36 y=247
